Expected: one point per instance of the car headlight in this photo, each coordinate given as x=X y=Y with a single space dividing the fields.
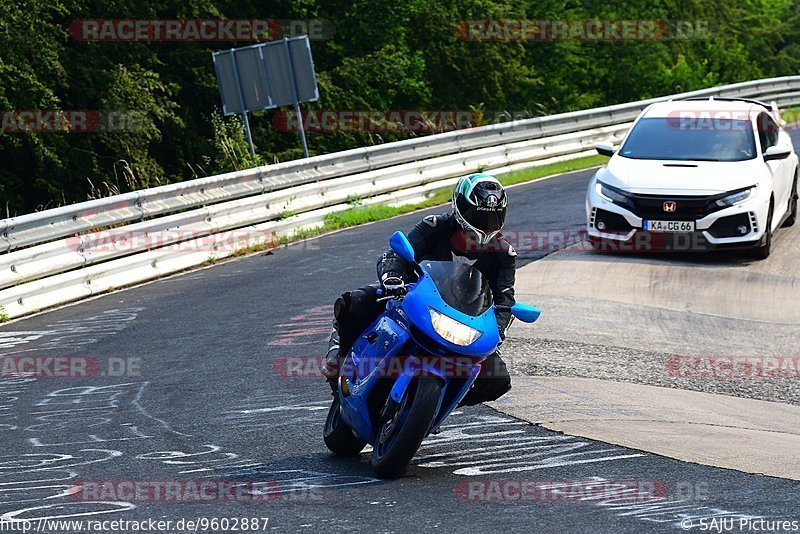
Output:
x=612 y=195
x=735 y=198
x=453 y=331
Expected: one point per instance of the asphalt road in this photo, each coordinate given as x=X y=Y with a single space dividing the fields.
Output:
x=203 y=396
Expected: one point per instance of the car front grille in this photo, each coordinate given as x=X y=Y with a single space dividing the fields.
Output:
x=686 y=208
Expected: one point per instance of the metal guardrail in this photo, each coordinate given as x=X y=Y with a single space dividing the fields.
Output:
x=60 y=255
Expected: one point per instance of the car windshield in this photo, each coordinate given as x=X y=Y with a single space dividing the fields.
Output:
x=461 y=286
x=675 y=138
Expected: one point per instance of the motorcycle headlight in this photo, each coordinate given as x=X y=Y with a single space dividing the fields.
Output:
x=453 y=331
x=612 y=195
x=735 y=198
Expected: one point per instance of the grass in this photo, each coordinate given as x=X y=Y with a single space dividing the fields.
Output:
x=553 y=168
x=791 y=115
x=366 y=214
x=303 y=233
x=252 y=249
x=3 y=315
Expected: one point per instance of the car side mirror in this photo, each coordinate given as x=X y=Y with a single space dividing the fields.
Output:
x=525 y=312
x=401 y=246
x=604 y=149
x=774 y=153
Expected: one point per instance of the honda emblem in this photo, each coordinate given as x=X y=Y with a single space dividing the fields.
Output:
x=670 y=206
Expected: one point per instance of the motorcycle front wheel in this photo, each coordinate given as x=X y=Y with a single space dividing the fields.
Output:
x=338 y=436
x=402 y=433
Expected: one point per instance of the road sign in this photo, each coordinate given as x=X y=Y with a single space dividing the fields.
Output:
x=265 y=76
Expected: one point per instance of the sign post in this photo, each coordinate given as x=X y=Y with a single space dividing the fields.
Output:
x=241 y=99
x=296 y=98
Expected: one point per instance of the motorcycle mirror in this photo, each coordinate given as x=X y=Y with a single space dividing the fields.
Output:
x=401 y=246
x=525 y=312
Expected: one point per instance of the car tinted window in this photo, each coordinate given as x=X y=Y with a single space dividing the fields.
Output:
x=691 y=139
x=767 y=131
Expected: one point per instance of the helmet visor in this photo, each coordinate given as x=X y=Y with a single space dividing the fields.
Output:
x=486 y=220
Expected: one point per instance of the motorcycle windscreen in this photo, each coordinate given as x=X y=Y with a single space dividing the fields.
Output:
x=461 y=286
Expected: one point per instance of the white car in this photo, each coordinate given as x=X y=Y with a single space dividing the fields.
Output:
x=696 y=174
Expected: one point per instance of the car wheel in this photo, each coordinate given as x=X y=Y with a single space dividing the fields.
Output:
x=763 y=252
x=792 y=205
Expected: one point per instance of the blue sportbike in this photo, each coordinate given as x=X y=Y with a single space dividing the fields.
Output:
x=415 y=363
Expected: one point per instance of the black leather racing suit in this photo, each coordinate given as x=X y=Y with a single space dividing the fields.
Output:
x=440 y=238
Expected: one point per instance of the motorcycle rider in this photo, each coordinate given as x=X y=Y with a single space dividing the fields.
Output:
x=470 y=233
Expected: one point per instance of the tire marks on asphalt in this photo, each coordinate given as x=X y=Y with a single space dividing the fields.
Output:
x=489 y=445
x=492 y=445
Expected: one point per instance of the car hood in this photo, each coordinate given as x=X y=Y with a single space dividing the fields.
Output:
x=662 y=177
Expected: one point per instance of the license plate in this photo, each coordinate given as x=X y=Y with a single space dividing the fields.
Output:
x=669 y=226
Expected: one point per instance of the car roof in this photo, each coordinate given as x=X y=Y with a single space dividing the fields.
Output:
x=735 y=109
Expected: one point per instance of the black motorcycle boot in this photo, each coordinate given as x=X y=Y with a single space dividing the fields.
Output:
x=492 y=382
x=333 y=359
